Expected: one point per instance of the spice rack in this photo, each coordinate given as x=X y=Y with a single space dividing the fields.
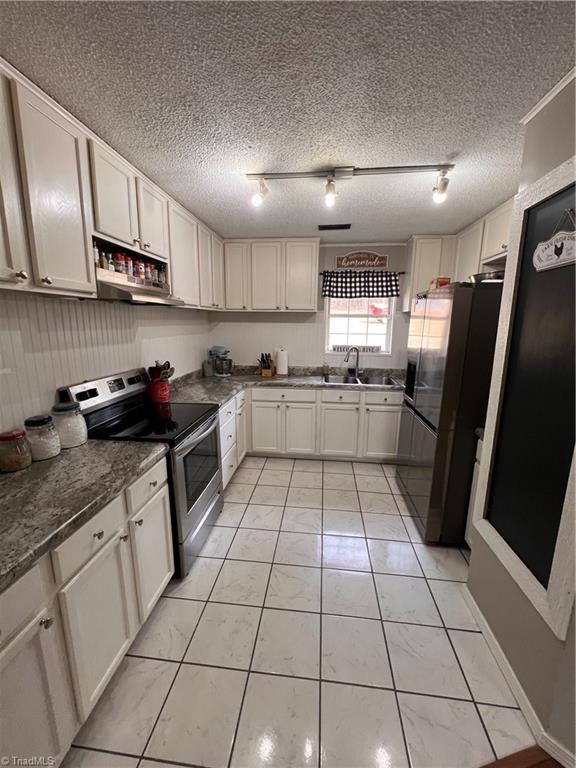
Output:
x=121 y=266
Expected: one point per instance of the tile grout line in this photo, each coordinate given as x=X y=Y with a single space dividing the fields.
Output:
x=398 y=710
x=321 y=617
x=447 y=633
x=181 y=663
x=262 y=607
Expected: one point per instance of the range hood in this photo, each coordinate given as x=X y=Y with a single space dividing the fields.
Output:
x=135 y=294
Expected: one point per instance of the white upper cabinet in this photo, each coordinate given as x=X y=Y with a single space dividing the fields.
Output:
x=301 y=275
x=497 y=231
x=184 y=269
x=217 y=272
x=468 y=248
x=428 y=257
x=237 y=271
x=113 y=196
x=152 y=219
x=56 y=186
x=14 y=254
x=205 y=267
x=266 y=274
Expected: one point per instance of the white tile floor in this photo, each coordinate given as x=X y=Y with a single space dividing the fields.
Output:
x=316 y=629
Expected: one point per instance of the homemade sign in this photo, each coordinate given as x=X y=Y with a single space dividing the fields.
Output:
x=362 y=260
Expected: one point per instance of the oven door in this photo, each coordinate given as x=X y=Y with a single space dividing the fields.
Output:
x=197 y=476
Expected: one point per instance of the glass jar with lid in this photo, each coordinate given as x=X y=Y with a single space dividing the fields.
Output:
x=70 y=424
x=15 y=451
x=42 y=436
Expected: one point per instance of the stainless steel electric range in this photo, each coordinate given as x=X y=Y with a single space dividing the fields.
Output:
x=116 y=408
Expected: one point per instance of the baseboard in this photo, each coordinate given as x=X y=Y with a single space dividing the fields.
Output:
x=547 y=742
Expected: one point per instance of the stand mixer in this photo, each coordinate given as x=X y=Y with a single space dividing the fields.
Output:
x=221 y=363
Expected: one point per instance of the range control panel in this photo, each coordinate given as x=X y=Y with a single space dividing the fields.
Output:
x=95 y=394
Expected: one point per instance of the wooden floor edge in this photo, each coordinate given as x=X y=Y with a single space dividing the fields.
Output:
x=532 y=757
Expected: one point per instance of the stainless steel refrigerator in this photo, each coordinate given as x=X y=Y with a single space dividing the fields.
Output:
x=450 y=353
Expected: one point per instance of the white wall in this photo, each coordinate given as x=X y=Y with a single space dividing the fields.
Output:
x=47 y=342
x=304 y=334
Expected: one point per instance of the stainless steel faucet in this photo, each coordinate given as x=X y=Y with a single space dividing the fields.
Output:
x=347 y=357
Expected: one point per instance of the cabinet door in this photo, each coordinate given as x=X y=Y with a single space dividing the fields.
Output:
x=266 y=275
x=113 y=196
x=300 y=427
x=237 y=271
x=37 y=715
x=241 y=436
x=184 y=269
x=468 y=246
x=427 y=261
x=14 y=255
x=152 y=219
x=496 y=231
x=381 y=427
x=151 y=537
x=218 y=272
x=99 y=611
x=339 y=430
x=205 y=267
x=267 y=427
x=56 y=186
x=301 y=275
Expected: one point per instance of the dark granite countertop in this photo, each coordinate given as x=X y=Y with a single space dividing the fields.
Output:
x=220 y=390
x=42 y=505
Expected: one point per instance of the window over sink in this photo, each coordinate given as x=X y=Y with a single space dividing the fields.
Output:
x=364 y=323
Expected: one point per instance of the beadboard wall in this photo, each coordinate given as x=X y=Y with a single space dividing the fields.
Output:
x=46 y=343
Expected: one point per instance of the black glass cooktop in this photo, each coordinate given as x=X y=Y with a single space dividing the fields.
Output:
x=140 y=420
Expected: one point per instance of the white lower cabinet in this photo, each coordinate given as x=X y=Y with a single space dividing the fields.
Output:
x=299 y=427
x=267 y=427
x=241 y=433
x=339 y=426
x=99 y=611
x=381 y=426
x=37 y=716
x=151 y=538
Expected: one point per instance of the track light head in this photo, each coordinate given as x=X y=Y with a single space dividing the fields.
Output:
x=258 y=197
x=440 y=189
x=330 y=192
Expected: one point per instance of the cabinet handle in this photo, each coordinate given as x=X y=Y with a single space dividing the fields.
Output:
x=357 y=408
x=139 y=522
x=340 y=397
x=367 y=409
x=98 y=535
x=277 y=306
x=229 y=437
x=46 y=623
x=135 y=240
x=230 y=466
x=244 y=306
x=385 y=399
x=46 y=280
x=146 y=245
x=153 y=483
x=287 y=407
x=278 y=406
x=282 y=395
x=504 y=246
x=124 y=537
x=21 y=275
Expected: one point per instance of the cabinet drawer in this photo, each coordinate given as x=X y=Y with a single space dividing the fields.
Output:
x=24 y=598
x=280 y=395
x=227 y=435
x=228 y=410
x=229 y=465
x=339 y=396
x=140 y=492
x=384 y=398
x=82 y=545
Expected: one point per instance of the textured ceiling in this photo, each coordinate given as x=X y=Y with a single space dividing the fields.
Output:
x=196 y=93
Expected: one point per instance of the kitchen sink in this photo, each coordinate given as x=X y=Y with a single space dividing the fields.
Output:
x=330 y=379
x=382 y=381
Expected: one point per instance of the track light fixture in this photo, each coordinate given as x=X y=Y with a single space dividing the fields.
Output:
x=439 y=192
x=440 y=189
x=258 y=197
x=330 y=192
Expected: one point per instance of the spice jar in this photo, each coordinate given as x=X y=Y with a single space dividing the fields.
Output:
x=15 y=451
x=70 y=424
x=42 y=436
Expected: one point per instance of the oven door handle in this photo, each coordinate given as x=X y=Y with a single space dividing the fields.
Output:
x=194 y=439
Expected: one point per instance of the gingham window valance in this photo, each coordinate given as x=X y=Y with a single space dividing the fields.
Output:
x=360 y=284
